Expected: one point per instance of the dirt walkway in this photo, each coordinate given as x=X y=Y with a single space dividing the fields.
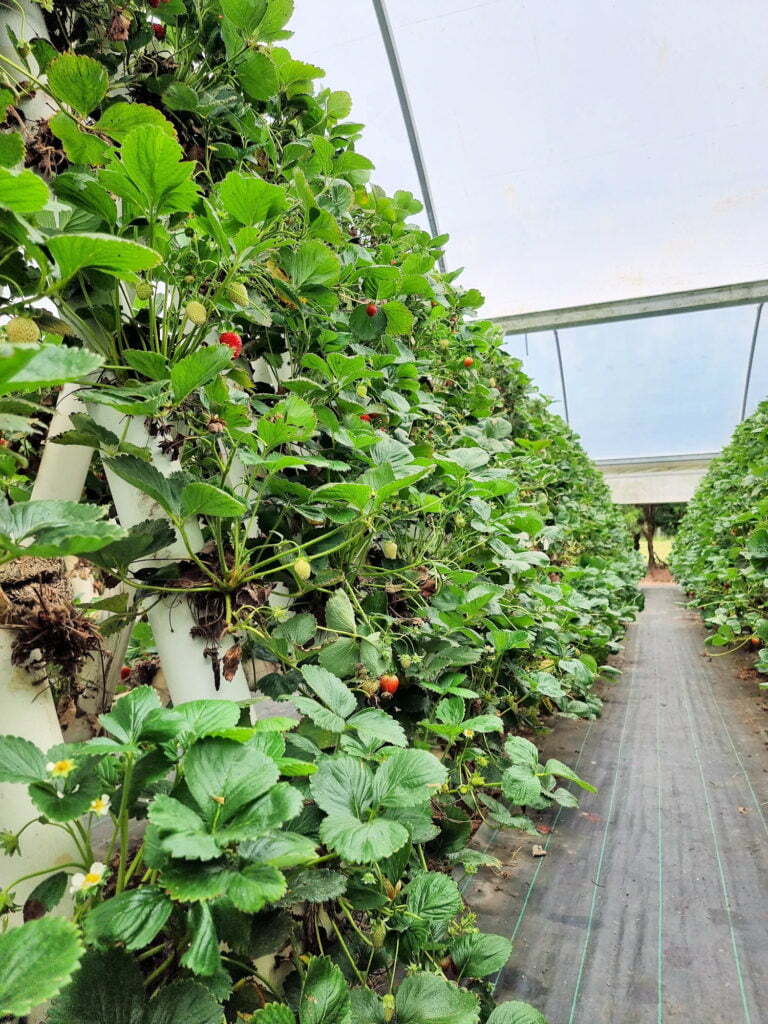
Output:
x=651 y=905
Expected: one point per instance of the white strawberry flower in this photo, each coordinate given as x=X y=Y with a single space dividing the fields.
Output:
x=100 y=805
x=81 y=883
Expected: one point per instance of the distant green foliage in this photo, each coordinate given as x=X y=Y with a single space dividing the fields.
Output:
x=720 y=554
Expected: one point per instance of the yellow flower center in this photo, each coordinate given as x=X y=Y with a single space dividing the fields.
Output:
x=91 y=878
x=62 y=767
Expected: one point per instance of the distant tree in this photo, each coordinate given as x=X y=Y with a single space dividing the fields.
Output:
x=634 y=517
x=650 y=518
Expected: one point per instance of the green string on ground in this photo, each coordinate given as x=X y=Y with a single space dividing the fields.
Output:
x=718 y=858
x=660 y=834
x=596 y=880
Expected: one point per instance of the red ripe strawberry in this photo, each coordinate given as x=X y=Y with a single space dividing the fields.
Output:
x=3 y=443
x=154 y=4
x=159 y=31
x=371 y=309
x=389 y=684
x=366 y=417
x=232 y=341
x=125 y=672
x=469 y=361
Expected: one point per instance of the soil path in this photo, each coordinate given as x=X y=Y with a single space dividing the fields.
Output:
x=651 y=906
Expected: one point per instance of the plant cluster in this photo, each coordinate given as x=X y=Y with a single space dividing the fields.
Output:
x=340 y=473
x=720 y=554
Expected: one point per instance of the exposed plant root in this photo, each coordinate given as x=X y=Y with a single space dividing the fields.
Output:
x=52 y=635
x=42 y=150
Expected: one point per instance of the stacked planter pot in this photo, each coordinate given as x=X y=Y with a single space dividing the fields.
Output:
x=186 y=667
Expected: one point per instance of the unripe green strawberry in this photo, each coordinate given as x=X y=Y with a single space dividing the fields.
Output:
x=378 y=935
x=302 y=568
x=370 y=687
x=389 y=547
x=361 y=390
x=237 y=292
x=144 y=290
x=196 y=312
x=22 y=330
x=388 y=1002
x=444 y=343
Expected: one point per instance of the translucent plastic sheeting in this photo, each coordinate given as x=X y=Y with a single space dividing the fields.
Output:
x=578 y=152
x=342 y=36
x=758 y=389
x=669 y=385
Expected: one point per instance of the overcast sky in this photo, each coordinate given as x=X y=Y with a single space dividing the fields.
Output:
x=583 y=152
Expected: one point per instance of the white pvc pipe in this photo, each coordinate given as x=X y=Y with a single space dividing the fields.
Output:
x=237 y=480
x=101 y=672
x=188 y=672
x=63 y=468
x=26 y=21
x=263 y=373
x=133 y=506
x=280 y=597
x=27 y=711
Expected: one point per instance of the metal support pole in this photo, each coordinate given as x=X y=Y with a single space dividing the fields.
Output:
x=410 y=124
x=562 y=377
x=751 y=361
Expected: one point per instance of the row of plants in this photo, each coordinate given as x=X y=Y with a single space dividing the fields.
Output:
x=318 y=478
x=720 y=554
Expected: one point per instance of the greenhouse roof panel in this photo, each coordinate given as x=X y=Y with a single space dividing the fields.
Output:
x=348 y=45
x=572 y=159
x=664 y=386
x=758 y=387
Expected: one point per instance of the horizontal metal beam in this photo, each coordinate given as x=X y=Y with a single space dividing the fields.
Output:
x=654 y=479
x=634 y=309
x=655 y=460
x=656 y=486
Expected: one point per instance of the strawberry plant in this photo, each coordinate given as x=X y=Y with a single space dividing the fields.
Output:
x=720 y=554
x=316 y=503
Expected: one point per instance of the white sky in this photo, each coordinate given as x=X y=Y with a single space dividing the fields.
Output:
x=581 y=151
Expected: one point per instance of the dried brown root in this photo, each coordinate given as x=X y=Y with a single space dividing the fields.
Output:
x=51 y=633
